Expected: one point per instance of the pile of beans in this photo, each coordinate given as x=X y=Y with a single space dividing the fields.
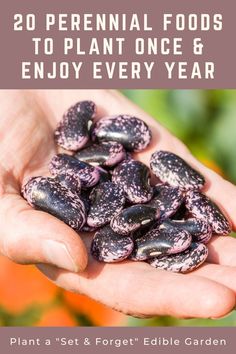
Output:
x=102 y=188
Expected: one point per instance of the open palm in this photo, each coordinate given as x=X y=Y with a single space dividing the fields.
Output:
x=27 y=121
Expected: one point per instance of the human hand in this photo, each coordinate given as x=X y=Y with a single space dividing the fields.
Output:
x=131 y=287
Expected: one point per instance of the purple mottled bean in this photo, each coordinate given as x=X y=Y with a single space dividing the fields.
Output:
x=68 y=165
x=201 y=207
x=172 y=169
x=107 y=200
x=200 y=230
x=160 y=242
x=69 y=181
x=167 y=199
x=108 y=246
x=134 y=177
x=108 y=153
x=131 y=132
x=47 y=194
x=72 y=132
x=132 y=218
x=182 y=262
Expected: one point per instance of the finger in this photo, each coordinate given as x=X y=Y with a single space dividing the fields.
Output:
x=222 y=250
x=138 y=289
x=221 y=274
x=31 y=236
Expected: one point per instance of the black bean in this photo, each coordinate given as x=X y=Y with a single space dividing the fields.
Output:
x=130 y=131
x=172 y=169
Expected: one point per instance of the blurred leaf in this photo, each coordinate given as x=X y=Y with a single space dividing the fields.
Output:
x=26 y=318
x=223 y=141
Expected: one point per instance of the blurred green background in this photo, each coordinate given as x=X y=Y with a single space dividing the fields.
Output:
x=205 y=120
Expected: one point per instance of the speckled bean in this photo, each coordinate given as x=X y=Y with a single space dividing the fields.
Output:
x=108 y=246
x=132 y=218
x=108 y=153
x=134 y=177
x=172 y=169
x=200 y=230
x=68 y=165
x=201 y=207
x=47 y=194
x=131 y=132
x=182 y=262
x=160 y=242
x=107 y=200
x=144 y=229
x=73 y=130
x=167 y=199
x=69 y=181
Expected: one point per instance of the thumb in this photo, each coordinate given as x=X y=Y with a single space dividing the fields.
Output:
x=30 y=236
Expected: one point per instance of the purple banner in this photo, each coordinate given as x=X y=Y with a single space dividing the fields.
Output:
x=124 y=44
x=117 y=340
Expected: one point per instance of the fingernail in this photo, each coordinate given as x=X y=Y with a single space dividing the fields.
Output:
x=56 y=253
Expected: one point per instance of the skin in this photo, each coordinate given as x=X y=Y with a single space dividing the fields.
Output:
x=27 y=121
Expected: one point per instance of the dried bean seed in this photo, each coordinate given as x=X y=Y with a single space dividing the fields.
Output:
x=47 y=194
x=130 y=131
x=167 y=199
x=172 y=169
x=108 y=246
x=200 y=230
x=107 y=200
x=108 y=153
x=183 y=262
x=201 y=207
x=134 y=177
x=68 y=165
x=73 y=130
x=132 y=218
x=160 y=242
x=70 y=182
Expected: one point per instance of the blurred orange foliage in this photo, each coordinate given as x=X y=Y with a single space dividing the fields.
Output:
x=58 y=316
x=99 y=314
x=22 y=286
